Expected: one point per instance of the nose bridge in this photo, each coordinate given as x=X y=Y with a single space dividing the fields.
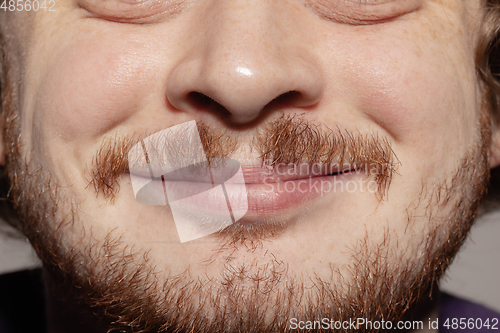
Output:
x=245 y=48
x=248 y=56
x=244 y=31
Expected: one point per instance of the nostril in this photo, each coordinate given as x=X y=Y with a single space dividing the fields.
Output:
x=202 y=102
x=284 y=100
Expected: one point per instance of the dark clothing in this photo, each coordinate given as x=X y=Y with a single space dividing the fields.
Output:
x=22 y=302
x=452 y=309
x=22 y=307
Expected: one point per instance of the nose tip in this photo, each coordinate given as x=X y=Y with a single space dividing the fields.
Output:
x=242 y=92
x=240 y=89
x=240 y=69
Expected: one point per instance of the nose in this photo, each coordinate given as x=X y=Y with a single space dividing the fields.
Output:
x=244 y=57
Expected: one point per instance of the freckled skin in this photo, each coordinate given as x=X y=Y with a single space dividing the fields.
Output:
x=411 y=80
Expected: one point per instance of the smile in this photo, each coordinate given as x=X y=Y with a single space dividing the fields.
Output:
x=257 y=189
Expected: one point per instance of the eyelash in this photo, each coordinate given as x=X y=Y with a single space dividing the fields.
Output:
x=363 y=12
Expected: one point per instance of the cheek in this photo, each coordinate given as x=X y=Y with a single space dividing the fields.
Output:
x=92 y=88
x=418 y=91
x=400 y=99
x=417 y=94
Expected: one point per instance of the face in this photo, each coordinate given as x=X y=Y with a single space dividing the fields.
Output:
x=382 y=95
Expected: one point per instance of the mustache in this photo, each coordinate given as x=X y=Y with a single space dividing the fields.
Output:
x=293 y=140
x=288 y=140
x=112 y=159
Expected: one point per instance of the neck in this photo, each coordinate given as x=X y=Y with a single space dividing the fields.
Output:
x=424 y=318
x=430 y=322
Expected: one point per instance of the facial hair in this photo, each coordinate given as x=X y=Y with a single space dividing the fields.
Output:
x=127 y=293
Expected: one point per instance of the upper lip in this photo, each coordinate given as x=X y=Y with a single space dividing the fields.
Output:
x=255 y=173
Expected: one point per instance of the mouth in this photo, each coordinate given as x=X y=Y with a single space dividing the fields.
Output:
x=206 y=198
x=179 y=168
x=251 y=190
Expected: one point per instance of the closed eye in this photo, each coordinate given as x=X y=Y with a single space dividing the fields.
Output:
x=363 y=12
x=133 y=11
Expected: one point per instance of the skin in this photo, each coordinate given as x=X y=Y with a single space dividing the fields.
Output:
x=91 y=72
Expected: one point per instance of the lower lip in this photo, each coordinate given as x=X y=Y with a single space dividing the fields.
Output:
x=276 y=197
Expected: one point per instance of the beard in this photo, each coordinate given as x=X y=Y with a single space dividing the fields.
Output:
x=125 y=291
